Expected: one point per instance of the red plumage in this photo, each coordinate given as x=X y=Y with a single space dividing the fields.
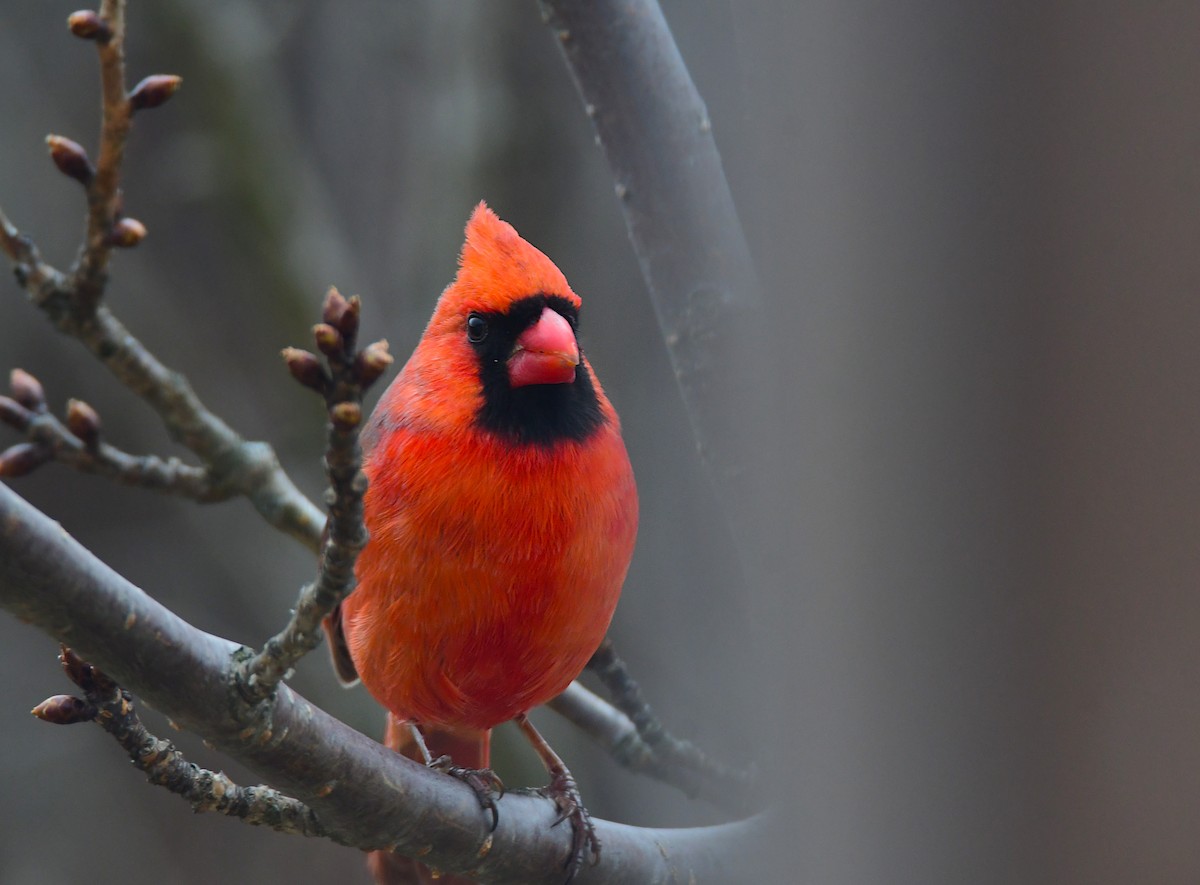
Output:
x=502 y=510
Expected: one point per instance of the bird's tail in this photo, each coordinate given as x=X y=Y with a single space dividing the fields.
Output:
x=468 y=749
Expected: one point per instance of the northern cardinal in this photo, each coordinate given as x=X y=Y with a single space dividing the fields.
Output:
x=502 y=514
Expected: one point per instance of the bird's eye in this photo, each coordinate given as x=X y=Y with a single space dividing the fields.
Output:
x=477 y=328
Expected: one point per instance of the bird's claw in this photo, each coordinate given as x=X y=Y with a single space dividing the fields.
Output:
x=564 y=792
x=485 y=782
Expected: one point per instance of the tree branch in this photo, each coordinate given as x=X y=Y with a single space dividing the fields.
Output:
x=362 y=792
x=617 y=735
x=32 y=273
x=679 y=212
x=350 y=373
x=90 y=274
x=77 y=443
x=234 y=466
x=111 y=707
x=666 y=757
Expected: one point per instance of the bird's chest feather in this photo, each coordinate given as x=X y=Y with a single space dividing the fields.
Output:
x=488 y=570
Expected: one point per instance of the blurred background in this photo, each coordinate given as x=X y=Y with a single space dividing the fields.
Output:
x=973 y=654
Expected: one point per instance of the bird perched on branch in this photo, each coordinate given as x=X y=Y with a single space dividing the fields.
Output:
x=502 y=513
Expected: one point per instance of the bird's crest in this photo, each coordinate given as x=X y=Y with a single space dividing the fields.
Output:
x=497 y=267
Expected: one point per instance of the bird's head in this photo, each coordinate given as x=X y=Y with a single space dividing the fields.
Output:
x=510 y=320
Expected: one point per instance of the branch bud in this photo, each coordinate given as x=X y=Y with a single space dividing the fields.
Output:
x=27 y=390
x=329 y=340
x=372 y=362
x=153 y=91
x=71 y=159
x=348 y=324
x=83 y=421
x=127 y=233
x=83 y=674
x=22 y=459
x=346 y=416
x=333 y=307
x=306 y=368
x=64 y=709
x=88 y=25
x=14 y=414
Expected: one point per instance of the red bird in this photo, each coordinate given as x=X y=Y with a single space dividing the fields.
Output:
x=502 y=513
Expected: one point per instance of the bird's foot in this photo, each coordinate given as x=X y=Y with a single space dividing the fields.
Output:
x=485 y=782
x=564 y=792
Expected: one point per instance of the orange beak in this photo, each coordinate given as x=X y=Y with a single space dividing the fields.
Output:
x=546 y=352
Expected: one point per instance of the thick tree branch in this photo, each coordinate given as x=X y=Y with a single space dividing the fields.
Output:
x=657 y=138
x=362 y=792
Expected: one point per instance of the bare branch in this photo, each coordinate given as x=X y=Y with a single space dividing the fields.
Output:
x=112 y=708
x=657 y=138
x=77 y=443
x=89 y=275
x=683 y=225
x=666 y=757
x=235 y=466
x=232 y=465
x=34 y=274
x=362 y=792
x=350 y=374
x=615 y=732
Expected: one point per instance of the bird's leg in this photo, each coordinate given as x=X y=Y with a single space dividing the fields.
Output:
x=563 y=790
x=419 y=740
x=483 y=781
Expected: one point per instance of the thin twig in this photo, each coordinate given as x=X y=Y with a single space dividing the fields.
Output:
x=615 y=732
x=236 y=465
x=32 y=273
x=77 y=444
x=350 y=373
x=112 y=708
x=89 y=275
x=682 y=763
